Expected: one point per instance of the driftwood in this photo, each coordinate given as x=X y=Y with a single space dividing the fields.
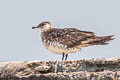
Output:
x=87 y=69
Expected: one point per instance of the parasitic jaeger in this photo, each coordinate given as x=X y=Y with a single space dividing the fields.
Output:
x=68 y=40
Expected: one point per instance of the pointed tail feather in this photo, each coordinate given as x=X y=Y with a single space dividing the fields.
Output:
x=102 y=40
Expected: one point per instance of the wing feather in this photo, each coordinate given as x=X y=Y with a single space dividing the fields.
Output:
x=69 y=37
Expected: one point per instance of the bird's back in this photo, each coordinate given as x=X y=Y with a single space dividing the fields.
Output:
x=68 y=40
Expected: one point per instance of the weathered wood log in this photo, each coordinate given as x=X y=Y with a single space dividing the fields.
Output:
x=87 y=69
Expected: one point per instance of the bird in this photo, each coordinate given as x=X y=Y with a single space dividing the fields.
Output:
x=68 y=40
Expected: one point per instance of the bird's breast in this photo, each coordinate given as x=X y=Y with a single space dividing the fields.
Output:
x=57 y=48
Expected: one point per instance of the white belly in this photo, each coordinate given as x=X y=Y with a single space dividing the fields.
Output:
x=57 y=50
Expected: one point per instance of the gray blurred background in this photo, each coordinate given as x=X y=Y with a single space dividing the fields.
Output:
x=18 y=42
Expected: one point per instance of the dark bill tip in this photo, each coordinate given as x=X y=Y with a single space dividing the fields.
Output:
x=33 y=27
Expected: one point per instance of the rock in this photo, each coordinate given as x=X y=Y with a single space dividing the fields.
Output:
x=87 y=69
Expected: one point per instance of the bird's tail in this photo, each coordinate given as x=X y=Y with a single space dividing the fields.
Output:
x=102 y=40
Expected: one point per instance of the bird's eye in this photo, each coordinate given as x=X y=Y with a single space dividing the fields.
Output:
x=42 y=24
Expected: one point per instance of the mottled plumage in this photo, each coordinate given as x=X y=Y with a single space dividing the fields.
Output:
x=68 y=40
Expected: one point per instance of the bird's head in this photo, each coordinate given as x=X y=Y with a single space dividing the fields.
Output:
x=44 y=26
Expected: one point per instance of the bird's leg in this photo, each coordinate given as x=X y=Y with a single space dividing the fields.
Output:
x=63 y=56
x=66 y=56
